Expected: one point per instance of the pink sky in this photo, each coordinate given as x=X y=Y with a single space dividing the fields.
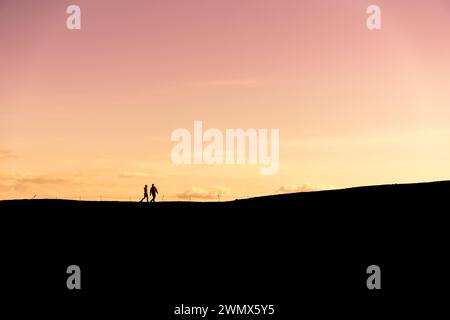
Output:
x=89 y=113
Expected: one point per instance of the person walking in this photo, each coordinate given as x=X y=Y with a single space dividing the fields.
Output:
x=145 y=193
x=153 y=192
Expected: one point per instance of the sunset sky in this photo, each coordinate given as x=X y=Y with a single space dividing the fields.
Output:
x=88 y=114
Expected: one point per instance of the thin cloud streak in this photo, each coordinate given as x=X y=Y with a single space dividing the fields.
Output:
x=292 y=188
x=200 y=193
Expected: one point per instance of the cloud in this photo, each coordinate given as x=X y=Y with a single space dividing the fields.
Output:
x=134 y=174
x=6 y=154
x=139 y=174
x=4 y=187
x=31 y=178
x=22 y=183
x=7 y=176
x=292 y=188
x=7 y=182
x=227 y=83
x=26 y=183
x=204 y=194
x=42 y=180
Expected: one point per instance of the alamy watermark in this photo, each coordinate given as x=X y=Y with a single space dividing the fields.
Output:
x=373 y=22
x=234 y=146
x=73 y=21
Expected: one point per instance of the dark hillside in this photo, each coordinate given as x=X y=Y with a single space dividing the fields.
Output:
x=297 y=251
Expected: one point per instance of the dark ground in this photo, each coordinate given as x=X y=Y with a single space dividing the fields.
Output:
x=305 y=253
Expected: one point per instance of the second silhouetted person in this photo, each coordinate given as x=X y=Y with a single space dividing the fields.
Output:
x=153 y=192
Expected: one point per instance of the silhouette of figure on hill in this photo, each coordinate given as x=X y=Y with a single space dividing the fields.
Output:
x=153 y=192
x=145 y=194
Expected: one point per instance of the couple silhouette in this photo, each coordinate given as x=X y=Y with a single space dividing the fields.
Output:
x=153 y=192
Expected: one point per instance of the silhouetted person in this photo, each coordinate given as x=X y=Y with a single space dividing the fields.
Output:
x=145 y=193
x=153 y=192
